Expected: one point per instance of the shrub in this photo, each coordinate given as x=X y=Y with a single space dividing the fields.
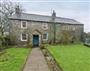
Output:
x=29 y=45
x=6 y=41
x=42 y=46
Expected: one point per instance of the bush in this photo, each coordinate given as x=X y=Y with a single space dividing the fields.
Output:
x=42 y=46
x=1 y=41
x=6 y=41
x=68 y=37
x=29 y=45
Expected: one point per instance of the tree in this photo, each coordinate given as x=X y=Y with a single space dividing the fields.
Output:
x=7 y=8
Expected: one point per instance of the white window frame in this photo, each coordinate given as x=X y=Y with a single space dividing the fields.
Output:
x=26 y=37
x=46 y=36
x=22 y=25
x=46 y=25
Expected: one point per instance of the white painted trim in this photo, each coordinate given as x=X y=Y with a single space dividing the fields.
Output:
x=40 y=40
x=46 y=36
x=26 y=37
x=22 y=24
x=44 y=25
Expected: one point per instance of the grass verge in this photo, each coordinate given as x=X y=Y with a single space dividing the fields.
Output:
x=71 y=57
x=13 y=59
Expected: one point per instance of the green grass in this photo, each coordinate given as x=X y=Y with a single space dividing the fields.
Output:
x=13 y=59
x=72 y=57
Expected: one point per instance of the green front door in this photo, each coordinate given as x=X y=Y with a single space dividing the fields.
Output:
x=35 y=40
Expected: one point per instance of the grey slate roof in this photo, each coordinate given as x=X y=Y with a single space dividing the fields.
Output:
x=43 y=18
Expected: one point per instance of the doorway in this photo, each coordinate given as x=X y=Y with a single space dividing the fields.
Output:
x=35 y=40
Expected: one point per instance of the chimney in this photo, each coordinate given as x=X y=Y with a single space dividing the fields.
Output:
x=17 y=9
x=53 y=15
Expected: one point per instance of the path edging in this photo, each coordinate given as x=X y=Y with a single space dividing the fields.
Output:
x=51 y=61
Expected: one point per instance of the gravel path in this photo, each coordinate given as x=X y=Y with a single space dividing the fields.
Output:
x=36 y=61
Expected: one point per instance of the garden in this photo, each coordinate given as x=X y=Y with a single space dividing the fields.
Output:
x=74 y=57
x=13 y=59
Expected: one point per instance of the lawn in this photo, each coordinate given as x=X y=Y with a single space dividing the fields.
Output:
x=71 y=57
x=13 y=59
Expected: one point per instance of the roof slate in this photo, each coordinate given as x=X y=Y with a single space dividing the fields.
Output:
x=43 y=18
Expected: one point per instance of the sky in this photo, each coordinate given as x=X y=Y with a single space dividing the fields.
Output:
x=74 y=9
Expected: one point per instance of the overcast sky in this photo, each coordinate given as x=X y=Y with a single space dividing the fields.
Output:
x=75 y=9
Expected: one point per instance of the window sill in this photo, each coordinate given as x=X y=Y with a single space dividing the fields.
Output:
x=23 y=27
x=45 y=39
x=23 y=40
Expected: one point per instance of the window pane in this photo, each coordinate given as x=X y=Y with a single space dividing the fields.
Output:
x=24 y=37
x=44 y=36
x=24 y=24
x=45 y=26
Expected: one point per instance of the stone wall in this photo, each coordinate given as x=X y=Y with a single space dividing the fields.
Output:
x=37 y=28
x=32 y=28
x=76 y=29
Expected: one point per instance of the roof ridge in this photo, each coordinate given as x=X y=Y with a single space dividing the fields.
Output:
x=38 y=17
x=48 y=16
x=36 y=14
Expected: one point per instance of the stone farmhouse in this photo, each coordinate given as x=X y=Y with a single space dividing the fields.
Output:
x=38 y=29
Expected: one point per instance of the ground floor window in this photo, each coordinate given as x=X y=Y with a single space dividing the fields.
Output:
x=45 y=36
x=24 y=37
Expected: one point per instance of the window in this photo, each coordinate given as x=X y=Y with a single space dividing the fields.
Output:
x=23 y=37
x=23 y=24
x=45 y=26
x=45 y=36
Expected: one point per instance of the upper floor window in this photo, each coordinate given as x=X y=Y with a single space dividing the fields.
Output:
x=24 y=37
x=45 y=26
x=23 y=24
